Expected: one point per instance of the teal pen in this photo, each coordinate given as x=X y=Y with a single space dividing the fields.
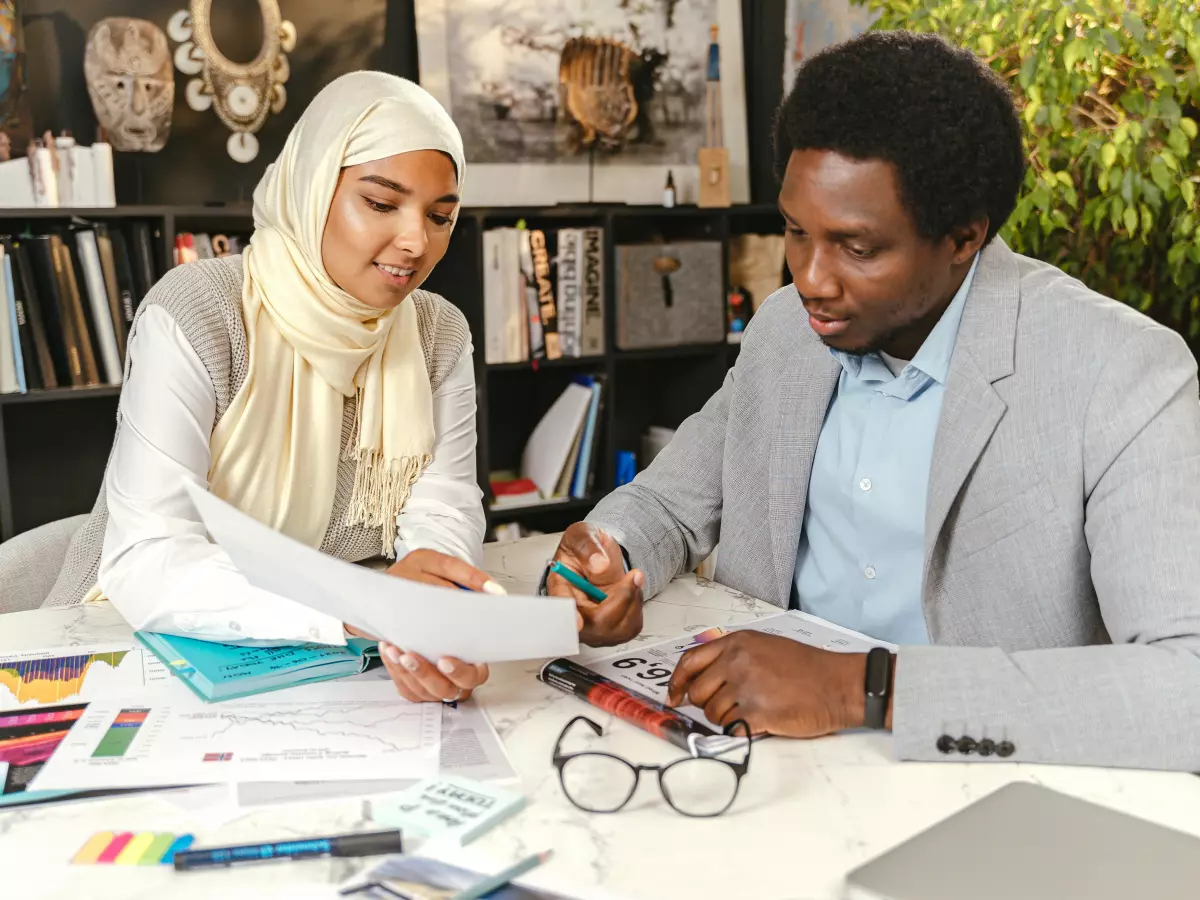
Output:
x=500 y=879
x=576 y=580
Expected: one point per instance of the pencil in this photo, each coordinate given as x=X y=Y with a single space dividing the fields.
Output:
x=500 y=879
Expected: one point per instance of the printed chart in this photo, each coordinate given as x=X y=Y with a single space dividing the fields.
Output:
x=341 y=730
x=66 y=674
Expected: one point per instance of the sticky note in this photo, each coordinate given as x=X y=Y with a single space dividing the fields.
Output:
x=132 y=854
x=90 y=852
x=113 y=850
x=153 y=854
x=180 y=844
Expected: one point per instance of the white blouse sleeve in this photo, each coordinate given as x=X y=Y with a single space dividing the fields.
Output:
x=445 y=510
x=158 y=567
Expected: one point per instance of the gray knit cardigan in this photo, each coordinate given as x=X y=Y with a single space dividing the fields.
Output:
x=205 y=300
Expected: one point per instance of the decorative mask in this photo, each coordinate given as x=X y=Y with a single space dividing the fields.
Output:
x=129 y=77
x=12 y=61
x=240 y=94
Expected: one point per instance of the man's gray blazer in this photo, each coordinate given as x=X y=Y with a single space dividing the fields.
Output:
x=1062 y=523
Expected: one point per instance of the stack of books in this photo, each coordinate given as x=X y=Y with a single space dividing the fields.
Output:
x=190 y=247
x=559 y=460
x=67 y=300
x=543 y=293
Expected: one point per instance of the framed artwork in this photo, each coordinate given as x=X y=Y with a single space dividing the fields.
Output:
x=515 y=74
x=812 y=25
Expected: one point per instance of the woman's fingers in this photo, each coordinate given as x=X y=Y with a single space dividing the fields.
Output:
x=409 y=687
x=433 y=567
x=464 y=675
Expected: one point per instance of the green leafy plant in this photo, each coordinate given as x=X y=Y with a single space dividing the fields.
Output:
x=1108 y=93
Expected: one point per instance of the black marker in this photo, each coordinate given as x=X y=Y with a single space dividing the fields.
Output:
x=373 y=843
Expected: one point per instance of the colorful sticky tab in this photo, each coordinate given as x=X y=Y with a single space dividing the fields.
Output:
x=180 y=844
x=113 y=850
x=145 y=848
x=90 y=852
x=157 y=850
x=132 y=854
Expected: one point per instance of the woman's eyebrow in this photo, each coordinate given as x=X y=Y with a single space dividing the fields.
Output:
x=404 y=189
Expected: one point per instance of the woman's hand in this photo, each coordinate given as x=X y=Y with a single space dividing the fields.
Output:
x=416 y=678
x=420 y=681
x=432 y=567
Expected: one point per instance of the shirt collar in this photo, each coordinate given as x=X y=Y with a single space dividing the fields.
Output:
x=933 y=358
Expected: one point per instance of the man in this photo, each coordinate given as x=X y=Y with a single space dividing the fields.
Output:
x=935 y=441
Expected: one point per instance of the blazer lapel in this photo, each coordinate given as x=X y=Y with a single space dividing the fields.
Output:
x=971 y=408
x=804 y=395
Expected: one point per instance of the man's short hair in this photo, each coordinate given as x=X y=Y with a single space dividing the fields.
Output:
x=937 y=113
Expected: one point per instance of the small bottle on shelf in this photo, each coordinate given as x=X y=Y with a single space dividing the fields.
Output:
x=669 y=191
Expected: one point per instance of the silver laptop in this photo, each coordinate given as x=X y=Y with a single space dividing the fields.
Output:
x=1027 y=842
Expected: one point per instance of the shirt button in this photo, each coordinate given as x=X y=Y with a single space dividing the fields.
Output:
x=234 y=626
x=911 y=373
x=865 y=484
x=869 y=571
x=313 y=632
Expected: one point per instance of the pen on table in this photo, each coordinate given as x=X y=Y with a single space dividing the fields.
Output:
x=576 y=580
x=374 y=843
x=500 y=879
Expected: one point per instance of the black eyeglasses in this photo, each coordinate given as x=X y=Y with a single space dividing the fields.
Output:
x=697 y=786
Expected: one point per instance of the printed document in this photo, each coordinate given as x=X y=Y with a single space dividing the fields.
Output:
x=341 y=730
x=431 y=621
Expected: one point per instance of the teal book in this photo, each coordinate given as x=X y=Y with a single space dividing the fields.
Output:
x=227 y=671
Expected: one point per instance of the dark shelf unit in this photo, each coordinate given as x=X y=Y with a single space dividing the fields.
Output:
x=54 y=444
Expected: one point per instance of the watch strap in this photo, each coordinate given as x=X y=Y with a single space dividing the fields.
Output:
x=877 y=687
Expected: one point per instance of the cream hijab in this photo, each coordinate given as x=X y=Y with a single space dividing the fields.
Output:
x=275 y=452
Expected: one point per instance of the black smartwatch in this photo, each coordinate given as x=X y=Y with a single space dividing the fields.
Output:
x=877 y=687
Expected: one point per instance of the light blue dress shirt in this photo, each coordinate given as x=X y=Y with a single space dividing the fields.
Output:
x=862 y=547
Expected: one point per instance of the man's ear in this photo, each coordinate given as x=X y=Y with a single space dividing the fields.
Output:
x=969 y=239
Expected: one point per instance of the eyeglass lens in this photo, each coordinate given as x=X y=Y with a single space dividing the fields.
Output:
x=598 y=782
x=699 y=786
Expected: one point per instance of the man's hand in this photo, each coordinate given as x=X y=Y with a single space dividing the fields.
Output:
x=778 y=686
x=415 y=677
x=597 y=557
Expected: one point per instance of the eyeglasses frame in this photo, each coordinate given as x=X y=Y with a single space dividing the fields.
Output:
x=560 y=760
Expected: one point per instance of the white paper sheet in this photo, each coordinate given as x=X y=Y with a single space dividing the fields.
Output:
x=109 y=671
x=330 y=731
x=470 y=748
x=431 y=621
x=647 y=668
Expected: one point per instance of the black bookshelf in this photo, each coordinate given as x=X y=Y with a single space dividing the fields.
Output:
x=54 y=444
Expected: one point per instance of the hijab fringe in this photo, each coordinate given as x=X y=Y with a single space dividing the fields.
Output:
x=381 y=489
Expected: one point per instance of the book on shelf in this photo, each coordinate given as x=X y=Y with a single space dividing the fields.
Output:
x=509 y=492
x=533 y=310
x=560 y=455
x=12 y=375
x=39 y=367
x=100 y=325
x=506 y=332
x=83 y=348
x=592 y=292
x=112 y=291
x=543 y=293
x=67 y=301
x=143 y=256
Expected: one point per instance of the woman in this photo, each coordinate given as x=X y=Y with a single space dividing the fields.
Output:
x=310 y=384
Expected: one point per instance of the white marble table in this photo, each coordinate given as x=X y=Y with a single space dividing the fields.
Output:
x=807 y=813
